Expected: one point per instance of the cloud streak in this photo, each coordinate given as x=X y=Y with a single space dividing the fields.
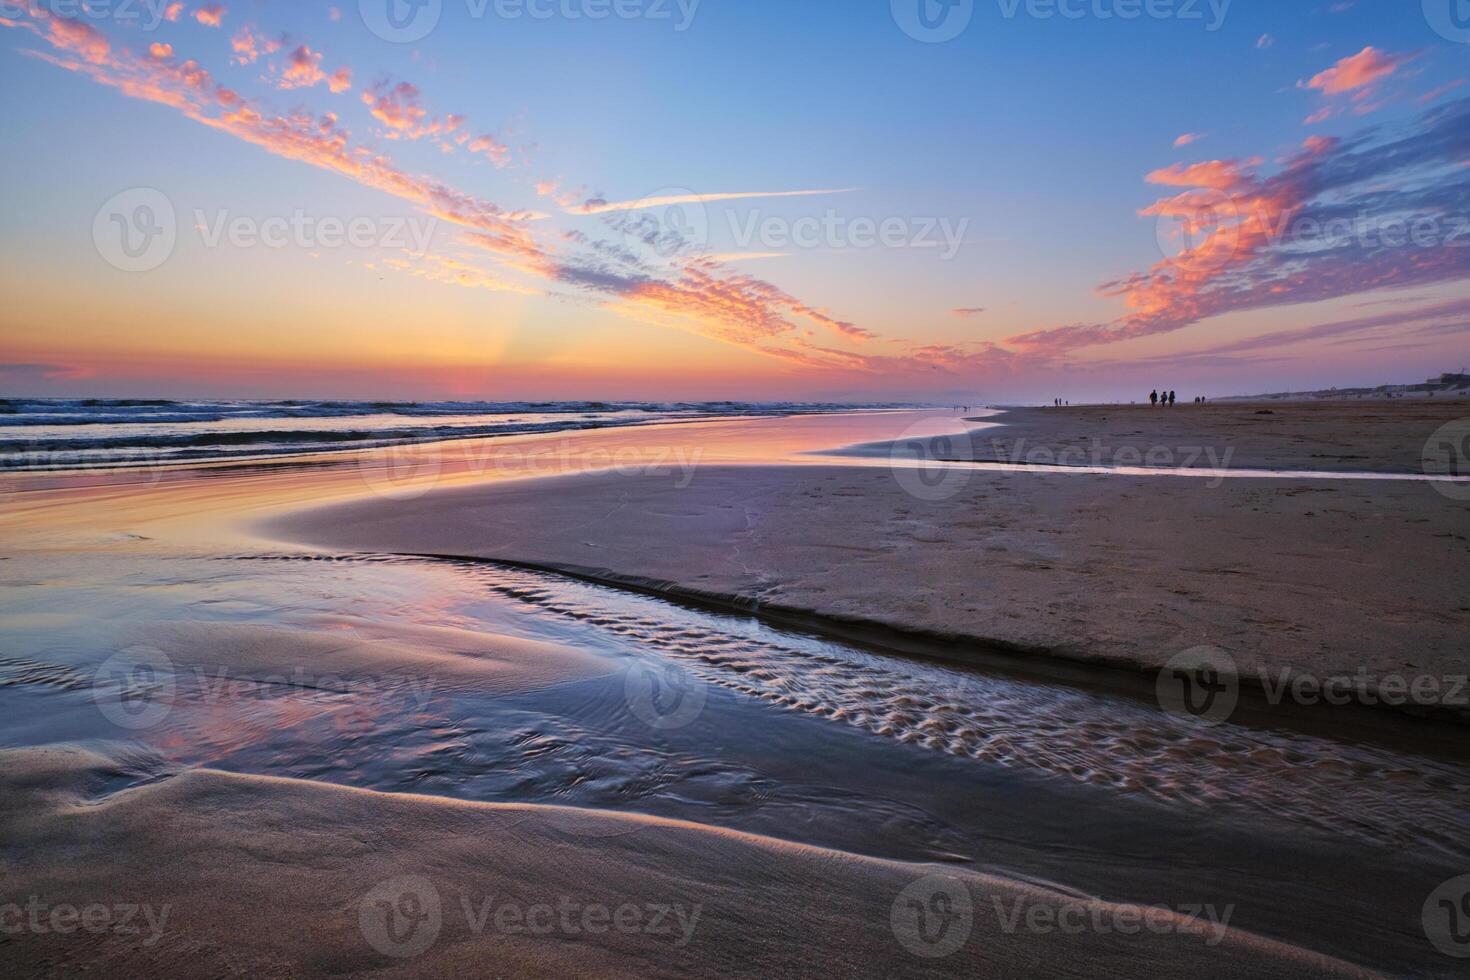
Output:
x=600 y=206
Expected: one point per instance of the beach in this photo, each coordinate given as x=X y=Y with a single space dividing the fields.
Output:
x=716 y=697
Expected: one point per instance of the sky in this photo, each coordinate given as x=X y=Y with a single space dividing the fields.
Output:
x=966 y=201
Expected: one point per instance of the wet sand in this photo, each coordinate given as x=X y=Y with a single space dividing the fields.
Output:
x=265 y=876
x=1318 y=576
x=272 y=866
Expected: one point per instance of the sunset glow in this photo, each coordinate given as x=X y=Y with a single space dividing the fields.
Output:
x=472 y=213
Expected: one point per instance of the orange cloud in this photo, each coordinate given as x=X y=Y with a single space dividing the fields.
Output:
x=702 y=294
x=498 y=152
x=1189 y=138
x=248 y=46
x=211 y=14
x=1367 y=67
x=304 y=70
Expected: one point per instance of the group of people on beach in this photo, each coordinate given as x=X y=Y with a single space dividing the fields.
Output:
x=1166 y=398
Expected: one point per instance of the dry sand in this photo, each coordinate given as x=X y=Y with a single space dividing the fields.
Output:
x=268 y=877
x=1372 y=437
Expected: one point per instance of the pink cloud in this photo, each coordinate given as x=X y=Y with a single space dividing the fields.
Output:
x=304 y=70
x=1189 y=138
x=211 y=14
x=1367 y=67
x=1443 y=90
x=498 y=152
x=248 y=46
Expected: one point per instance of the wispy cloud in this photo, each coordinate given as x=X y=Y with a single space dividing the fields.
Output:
x=1359 y=78
x=600 y=206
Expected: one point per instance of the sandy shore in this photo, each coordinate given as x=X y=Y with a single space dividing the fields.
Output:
x=1372 y=437
x=284 y=876
x=1327 y=577
x=268 y=877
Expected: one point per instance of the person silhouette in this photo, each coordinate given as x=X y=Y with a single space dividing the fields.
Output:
x=1153 y=397
x=1172 y=396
